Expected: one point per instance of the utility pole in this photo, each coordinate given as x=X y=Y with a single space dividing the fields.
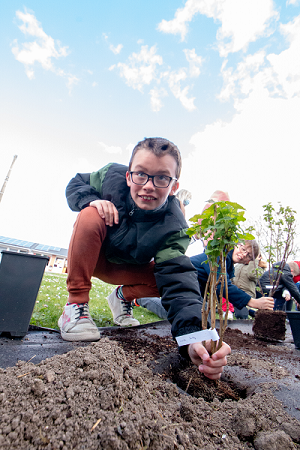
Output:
x=7 y=177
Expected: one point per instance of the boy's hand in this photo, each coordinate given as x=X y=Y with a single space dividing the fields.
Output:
x=262 y=303
x=107 y=211
x=210 y=366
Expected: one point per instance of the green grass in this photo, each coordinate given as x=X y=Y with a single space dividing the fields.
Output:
x=53 y=296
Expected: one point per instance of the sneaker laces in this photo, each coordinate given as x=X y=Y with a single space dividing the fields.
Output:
x=82 y=311
x=127 y=307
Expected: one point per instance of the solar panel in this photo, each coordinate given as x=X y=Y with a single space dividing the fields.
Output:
x=17 y=242
x=47 y=248
x=28 y=244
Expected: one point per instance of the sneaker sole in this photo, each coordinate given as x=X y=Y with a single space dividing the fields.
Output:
x=82 y=337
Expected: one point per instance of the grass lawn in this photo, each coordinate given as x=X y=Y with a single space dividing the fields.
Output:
x=53 y=296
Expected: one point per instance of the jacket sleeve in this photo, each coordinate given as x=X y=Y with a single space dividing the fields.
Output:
x=80 y=193
x=176 y=280
x=236 y=296
x=178 y=286
x=287 y=280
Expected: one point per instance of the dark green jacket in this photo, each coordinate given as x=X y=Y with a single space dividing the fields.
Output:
x=142 y=236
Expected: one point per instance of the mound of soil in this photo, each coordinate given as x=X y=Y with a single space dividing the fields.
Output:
x=128 y=392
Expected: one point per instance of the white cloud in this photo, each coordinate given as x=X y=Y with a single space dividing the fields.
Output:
x=109 y=149
x=111 y=153
x=156 y=95
x=141 y=67
x=286 y=65
x=278 y=73
x=241 y=22
x=174 y=81
x=183 y=16
x=144 y=68
x=293 y=2
x=116 y=50
x=254 y=157
x=194 y=61
x=42 y=50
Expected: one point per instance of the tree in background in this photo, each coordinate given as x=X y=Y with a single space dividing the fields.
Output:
x=276 y=235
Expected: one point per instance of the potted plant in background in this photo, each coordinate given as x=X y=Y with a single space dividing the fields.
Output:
x=277 y=242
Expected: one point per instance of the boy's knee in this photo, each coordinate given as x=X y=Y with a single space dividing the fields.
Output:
x=90 y=219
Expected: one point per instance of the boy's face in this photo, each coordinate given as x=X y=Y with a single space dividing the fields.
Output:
x=148 y=196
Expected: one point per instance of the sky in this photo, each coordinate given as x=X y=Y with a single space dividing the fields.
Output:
x=83 y=82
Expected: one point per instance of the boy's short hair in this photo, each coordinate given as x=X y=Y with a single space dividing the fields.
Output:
x=295 y=267
x=160 y=147
x=252 y=246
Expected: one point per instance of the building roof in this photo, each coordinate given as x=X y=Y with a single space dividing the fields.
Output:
x=15 y=244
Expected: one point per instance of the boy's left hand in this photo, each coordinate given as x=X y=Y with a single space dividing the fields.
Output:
x=107 y=211
x=210 y=366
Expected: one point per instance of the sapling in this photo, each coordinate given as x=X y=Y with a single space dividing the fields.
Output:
x=220 y=227
x=277 y=239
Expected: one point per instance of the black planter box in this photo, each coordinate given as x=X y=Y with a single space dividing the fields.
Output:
x=20 y=278
x=294 y=319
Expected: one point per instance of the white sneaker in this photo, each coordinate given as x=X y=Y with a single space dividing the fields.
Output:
x=76 y=323
x=121 y=311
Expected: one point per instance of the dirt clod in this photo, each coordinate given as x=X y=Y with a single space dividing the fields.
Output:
x=270 y=325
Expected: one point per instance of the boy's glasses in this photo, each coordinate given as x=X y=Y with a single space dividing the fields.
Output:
x=160 y=181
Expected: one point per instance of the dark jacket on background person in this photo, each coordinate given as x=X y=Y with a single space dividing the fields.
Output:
x=286 y=281
x=238 y=298
x=141 y=236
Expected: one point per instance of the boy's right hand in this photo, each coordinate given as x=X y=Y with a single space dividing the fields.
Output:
x=262 y=303
x=107 y=211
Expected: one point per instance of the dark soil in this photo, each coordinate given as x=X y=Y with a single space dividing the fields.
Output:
x=132 y=392
x=270 y=325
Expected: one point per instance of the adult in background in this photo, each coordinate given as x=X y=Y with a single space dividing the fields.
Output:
x=246 y=277
x=184 y=198
x=286 y=288
x=243 y=254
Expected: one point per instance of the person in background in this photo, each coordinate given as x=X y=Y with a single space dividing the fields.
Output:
x=296 y=278
x=245 y=278
x=286 y=287
x=184 y=198
x=243 y=254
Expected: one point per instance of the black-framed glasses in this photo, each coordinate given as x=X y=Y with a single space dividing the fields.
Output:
x=160 y=181
x=245 y=252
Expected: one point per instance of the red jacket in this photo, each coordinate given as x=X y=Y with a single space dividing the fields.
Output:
x=297 y=277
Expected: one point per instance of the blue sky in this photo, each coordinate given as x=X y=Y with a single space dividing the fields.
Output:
x=82 y=83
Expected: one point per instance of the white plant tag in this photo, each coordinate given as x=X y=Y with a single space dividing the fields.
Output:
x=198 y=336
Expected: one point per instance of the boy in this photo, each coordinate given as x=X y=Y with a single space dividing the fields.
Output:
x=130 y=216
